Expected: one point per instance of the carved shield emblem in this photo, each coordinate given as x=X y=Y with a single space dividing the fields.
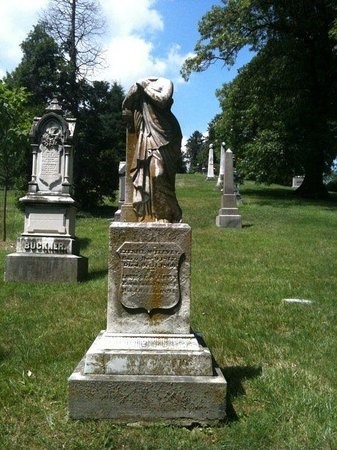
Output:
x=149 y=275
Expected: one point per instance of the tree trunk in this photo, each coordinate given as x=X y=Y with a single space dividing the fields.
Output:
x=312 y=187
x=73 y=59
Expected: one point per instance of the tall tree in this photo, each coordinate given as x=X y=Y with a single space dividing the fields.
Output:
x=76 y=25
x=14 y=126
x=298 y=36
x=40 y=70
x=100 y=143
x=196 y=151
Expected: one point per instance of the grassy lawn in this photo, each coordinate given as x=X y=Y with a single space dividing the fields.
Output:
x=279 y=358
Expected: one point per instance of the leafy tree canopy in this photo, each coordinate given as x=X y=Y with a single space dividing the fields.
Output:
x=280 y=112
x=14 y=126
x=197 y=151
x=40 y=70
x=100 y=142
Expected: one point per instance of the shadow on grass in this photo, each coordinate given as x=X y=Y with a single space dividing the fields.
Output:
x=281 y=197
x=101 y=212
x=4 y=353
x=83 y=242
x=234 y=377
x=96 y=275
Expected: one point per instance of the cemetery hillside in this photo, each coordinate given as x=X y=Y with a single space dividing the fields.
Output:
x=263 y=297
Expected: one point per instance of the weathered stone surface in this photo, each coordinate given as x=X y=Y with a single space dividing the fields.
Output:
x=46 y=245
x=148 y=355
x=45 y=267
x=47 y=249
x=229 y=216
x=228 y=221
x=179 y=400
x=50 y=218
x=160 y=293
x=148 y=366
x=154 y=147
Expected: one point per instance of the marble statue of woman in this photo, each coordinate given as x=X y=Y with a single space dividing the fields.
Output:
x=154 y=163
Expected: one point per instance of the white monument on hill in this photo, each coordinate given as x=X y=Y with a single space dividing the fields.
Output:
x=229 y=216
x=219 y=183
x=148 y=366
x=47 y=250
x=210 y=167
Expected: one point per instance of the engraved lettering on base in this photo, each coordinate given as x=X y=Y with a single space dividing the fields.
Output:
x=150 y=275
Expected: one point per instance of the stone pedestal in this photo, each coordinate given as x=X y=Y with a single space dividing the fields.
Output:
x=47 y=250
x=229 y=216
x=148 y=366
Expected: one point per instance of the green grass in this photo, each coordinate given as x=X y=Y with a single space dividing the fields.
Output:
x=279 y=359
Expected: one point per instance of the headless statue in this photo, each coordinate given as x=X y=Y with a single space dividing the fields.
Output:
x=157 y=152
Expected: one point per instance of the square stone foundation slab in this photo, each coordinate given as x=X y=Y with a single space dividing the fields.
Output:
x=180 y=400
x=45 y=268
x=228 y=221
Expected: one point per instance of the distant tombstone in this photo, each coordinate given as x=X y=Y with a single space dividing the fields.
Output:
x=210 y=167
x=219 y=184
x=121 y=173
x=148 y=365
x=47 y=249
x=229 y=216
x=297 y=181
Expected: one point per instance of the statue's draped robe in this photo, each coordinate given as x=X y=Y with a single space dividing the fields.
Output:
x=157 y=152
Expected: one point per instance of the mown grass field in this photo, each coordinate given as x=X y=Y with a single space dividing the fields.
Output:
x=279 y=358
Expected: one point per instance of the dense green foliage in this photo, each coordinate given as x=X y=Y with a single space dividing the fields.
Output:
x=278 y=357
x=41 y=71
x=279 y=114
x=14 y=126
x=197 y=152
x=100 y=144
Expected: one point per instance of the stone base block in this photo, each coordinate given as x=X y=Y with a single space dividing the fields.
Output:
x=45 y=268
x=160 y=354
x=229 y=221
x=182 y=400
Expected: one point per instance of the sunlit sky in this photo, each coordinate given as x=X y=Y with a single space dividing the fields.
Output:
x=143 y=37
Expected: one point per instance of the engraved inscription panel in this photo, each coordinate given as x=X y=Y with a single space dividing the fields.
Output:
x=51 y=149
x=149 y=275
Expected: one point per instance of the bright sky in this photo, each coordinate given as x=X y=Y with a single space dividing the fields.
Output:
x=144 y=37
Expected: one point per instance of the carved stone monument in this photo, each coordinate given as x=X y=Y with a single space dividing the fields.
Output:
x=210 y=167
x=148 y=366
x=229 y=216
x=219 y=183
x=47 y=249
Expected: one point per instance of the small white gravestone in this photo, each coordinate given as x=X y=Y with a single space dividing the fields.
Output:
x=210 y=167
x=229 y=216
x=121 y=173
x=219 y=184
x=297 y=181
x=47 y=250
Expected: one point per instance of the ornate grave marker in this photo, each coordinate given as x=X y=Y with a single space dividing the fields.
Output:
x=47 y=250
x=148 y=366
